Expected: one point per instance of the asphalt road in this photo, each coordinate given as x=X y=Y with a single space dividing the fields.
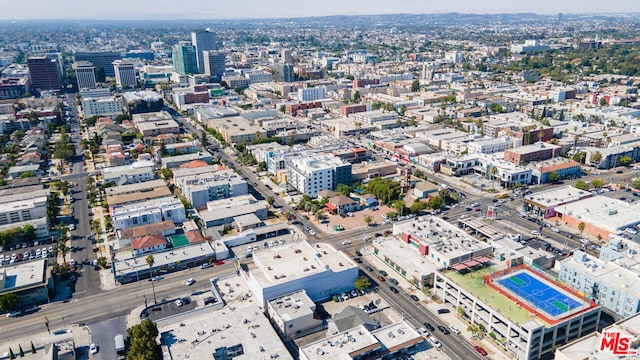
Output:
x=87 y=279
x=103 y=334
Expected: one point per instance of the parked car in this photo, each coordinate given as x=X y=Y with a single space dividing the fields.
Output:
x=356 y=259
x=423 y=332
x=443 y=311
x=429 y=326
x=414 y=298
x=443 y=330
x=393 y=289
x=93 y=348
x=480 y=350
x=190 y=281
x=369 y=268
x=454 y=329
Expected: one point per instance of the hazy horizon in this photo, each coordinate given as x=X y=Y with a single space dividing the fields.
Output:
x=252 y=9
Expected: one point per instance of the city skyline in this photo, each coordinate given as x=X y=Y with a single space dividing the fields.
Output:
x=202 y=9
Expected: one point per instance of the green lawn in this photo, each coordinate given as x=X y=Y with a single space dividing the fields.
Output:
x=472 y=282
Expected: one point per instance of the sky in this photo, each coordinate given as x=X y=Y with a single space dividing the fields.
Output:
x=217 y=9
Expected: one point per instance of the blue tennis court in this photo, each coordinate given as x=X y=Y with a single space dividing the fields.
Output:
x=538 y=294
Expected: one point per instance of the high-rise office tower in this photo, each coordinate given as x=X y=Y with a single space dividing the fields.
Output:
x=185 y=60
x=44 y=73
x=99 y=59
x=286 y=56
x=214 y=63
x=203 y=41
x=125 y=72
x=85 y=74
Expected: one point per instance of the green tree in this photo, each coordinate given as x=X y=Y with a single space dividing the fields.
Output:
x=580 y=157
x=597 y=183
x=270 y=200
x=142 y=341
x=625 y=160
x=27 y=174
x=9 y=301
x=581 y=227
x=368 y=220
x=636 y=183
x=435 y=203
x=415 y=85
x=102 y=262
x=344 y=189
x=150 y=261
x=553 y=177
x=596 y=157
x=166 y=173
x=582 y=185
x=262 y=166
x=361 y=283
x=417 y=207
x=356 y=96
x=62 y=247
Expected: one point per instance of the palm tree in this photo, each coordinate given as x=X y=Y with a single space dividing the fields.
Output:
x=494 y=171
x=63 y=249
x=150 y=261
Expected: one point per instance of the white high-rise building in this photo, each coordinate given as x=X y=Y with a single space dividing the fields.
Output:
x=312 y=93
x=125 y=73
x=85 y=74
x=203 y=41
x=315 y=173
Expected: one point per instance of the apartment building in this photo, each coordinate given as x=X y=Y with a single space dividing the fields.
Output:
x=312 y=93
x=101 y=106
x=314 y=173
x=202 y=188
x=149 y=212
x=494 y=145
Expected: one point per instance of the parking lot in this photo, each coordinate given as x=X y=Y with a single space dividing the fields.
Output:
x=170 y=307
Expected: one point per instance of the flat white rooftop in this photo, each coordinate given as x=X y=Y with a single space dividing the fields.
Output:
x=285 y=263
x=605 y=213
x=559 y=195
x=406 y=257
x=293 y=306
x=240 y=322
x=23 y=274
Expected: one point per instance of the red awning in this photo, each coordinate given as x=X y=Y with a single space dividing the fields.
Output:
x=459 y=267
x=472 y=263
x=483 y=259
x=330 y=206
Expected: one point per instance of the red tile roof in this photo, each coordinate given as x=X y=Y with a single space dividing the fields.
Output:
x=148 y=241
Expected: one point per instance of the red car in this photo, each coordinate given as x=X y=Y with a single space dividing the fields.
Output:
x=479 y=349
x=218 y=263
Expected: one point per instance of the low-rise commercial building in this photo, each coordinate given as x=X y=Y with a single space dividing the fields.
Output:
x=29 y=280
x=602 y=216
x=128 y=174
x=293 y=315
x=320 y=270
x=535 y=152
x=544 y=203
x=224 y=211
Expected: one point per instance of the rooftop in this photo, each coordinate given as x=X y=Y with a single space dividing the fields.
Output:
x=22 y=275
x=558 y=195
x=406 y=257
x=207 y=330
x=297 y=260
x=294 y=305
x=603 y=212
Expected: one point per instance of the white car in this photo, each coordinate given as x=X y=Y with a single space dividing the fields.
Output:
x=190 y=281
x=179 y=303
x=346 y=242
x=555 y=230
x=423 y=332
x=435 y=342
x=535 y=233
x=93 y=348
x=72 y=227
x=312 y=232
x=454 y=329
